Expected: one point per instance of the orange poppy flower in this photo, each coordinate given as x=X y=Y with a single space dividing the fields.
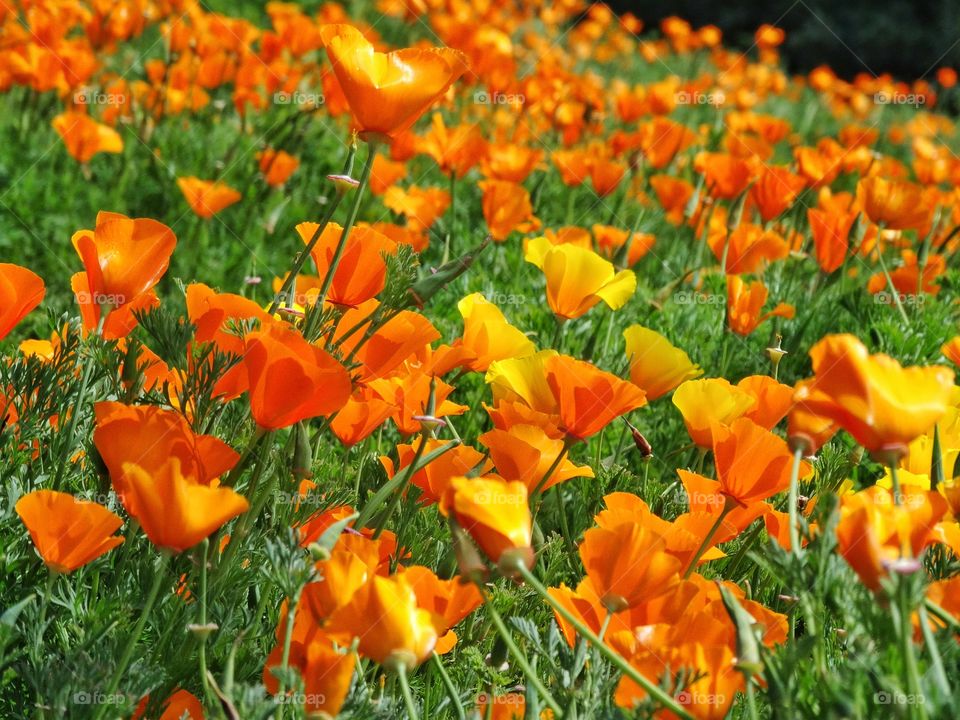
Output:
x=388 y=92
x=950 y=350
x=749 y=248
x=456 y=149
x=391 y=628
x=628 y=564
x=409 y=393
x=605 y=175
x=578 y=279
x=573 y=165
x=85 y=137
x=207 y=197
x=433 y=480
x=774 y=191
x=525 y=453
x=708 y=403
x=180 y=705
x=773 y=400
x=68 y=532
x=277 y=166
x=326 y=671
x=487 y=335
x=451 y=600
x=893 y=204
x=908 y=279
x=420 y=206
x=587 y=398
x=496 y=515
x=385 y=173
x=389 y=346
x=656 y=366
x=364 y=412
x=123 y=258
x=661 y=139
x=290 y=379
x=726 y=176
x=881 y=404
x=511 y=162
x=611 y=241
x=21 y=290
x=362 y=270
x=752 y=463
x=507 y=208
x=745 y=305
x=831 y=236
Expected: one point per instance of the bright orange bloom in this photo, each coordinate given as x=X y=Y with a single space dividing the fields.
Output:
x=455 y=150
x=290 y=379
x=628 y=564
x=420 y=206
x=605 y=175
x=749 y=248
x=752 y=463
x=661 y=139
x=950 y=350
x=123 y=258
x=21 y=290
x=774 y=191
x=510 y=162
x=487 y=336
x=362 y=271
x=388 y=92
x=506 y=208
x=745 y=305
x=881 y=404
x=525 y=453
x=207 y=197
x=573 y=165
x=673 y=194
x=181 y=705
x=578 y=279
x=496 y=515
x=326 y=671
x=277 y=166
x=587 y=398
x=508 y=706
x=874 y=532
x=656 y=366
x=831 y=236
x=409 y=393
x=726 y=176
x=68 y=532
x=895 y=205
x=611 y=242
x=364 y=412
x=434 y=479
x=385 y=173
x=85 y=137
x=451 y=600
x=391 y=627
x=708 y=403
x=773 y=400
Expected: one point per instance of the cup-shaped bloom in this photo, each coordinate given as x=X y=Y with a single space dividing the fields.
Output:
x=277 y=166
x=578 y=279
x=391 y=628
x=449 y=600
x=708 y=403
x=882 y=405
x=207 y=197
x=21 y=290
x=588 y=398
x=745 y=305
x=177 y=511
x=525 y=453
x=84 y=137
x=362 y=270
x=290 y=379
x=487 y=334
x=628 y=564
x=507 y=208
x=895 y=204
x=123 y=258
x=752 y=463
x=68 y=532
x=656 y=366
x=496 y=515
x=950 y=349
x=831 y=236
x=388 y=92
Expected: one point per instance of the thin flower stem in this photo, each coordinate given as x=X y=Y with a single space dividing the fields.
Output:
x=405 y=688
x=654 y=691
x=203 y=619
x=287 y=641
x=793 y=499
x=348 y=226
x=449 y=686
x=521 y=658
x=893 y=288
x=708 y=539
x=936 y=661
x=912 y=671
x=895 y=484
x=158 y=576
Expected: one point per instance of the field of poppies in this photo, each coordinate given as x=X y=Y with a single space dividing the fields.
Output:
x=453 y=359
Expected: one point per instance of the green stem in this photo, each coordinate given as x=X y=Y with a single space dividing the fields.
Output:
x=708 y=539
x=351 y=219
x=893 y=290
x=158 y=576
x=287 y=641
x=405 y=688
x=521 y=658
x=450 y=688
x=895 y=484
x=793 y=499
x=906 y=645
x=654 y=691
x=203 y=620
